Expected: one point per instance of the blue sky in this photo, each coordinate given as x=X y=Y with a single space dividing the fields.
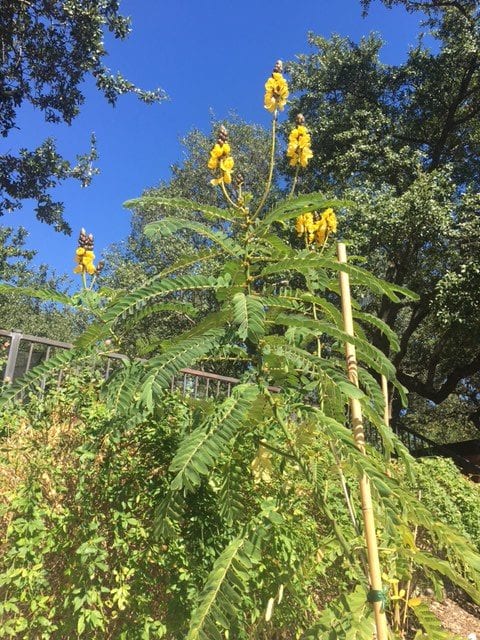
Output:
x=207 y=55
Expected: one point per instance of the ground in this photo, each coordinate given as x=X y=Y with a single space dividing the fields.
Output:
x=457 y=619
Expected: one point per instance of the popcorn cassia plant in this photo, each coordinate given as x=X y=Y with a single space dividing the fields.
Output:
x=282 y=431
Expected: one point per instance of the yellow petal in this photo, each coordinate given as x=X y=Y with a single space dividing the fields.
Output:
x=414 y=602
x=269 y=102
x=227 y=164
x=217 y=151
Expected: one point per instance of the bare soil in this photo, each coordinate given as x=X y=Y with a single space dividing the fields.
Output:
x=457 y=619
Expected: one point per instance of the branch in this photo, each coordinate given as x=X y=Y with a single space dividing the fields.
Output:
x=419 y=313
x=442 y=4
x=449 y=123
x=412 y=139
x=413 y=383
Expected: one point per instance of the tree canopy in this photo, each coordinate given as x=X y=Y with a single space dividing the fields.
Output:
x=403 y=140
x=49 y=47
x=21 y=312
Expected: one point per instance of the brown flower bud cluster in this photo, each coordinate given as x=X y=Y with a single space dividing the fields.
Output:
x=85 y=241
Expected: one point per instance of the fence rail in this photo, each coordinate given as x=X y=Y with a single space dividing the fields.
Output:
x=21 y=352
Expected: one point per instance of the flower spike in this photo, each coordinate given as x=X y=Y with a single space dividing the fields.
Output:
x=221 y=162
x=299 y=151
x=84 y=255
x=315 y=227
x=276 y=89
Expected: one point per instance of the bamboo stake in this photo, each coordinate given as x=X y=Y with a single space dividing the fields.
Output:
x=386 y=414
x=375 y=575
x=386 y=407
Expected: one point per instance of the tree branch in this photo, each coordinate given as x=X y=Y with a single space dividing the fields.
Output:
x=426 y=390
x=449 y=124
x=419 y=313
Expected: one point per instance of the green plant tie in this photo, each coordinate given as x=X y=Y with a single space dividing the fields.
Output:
x=378 y=595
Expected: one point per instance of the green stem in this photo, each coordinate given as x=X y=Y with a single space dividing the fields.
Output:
x=294 y=183
x=84 y=281
x=346 y=493
x=280 y=452
x=272 y=164
x=319 y=354
x=227 y=197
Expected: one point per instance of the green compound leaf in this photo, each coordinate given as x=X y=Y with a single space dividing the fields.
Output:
x=181 y=354
x=200 y=450
x=168 y=226
x=47 y=295
x=249 y=315
x=135 y=301
x=222 y=593
x=152 y=203
x=43 y=372
x=430 y=623
x=289 y=209
x=307 y=261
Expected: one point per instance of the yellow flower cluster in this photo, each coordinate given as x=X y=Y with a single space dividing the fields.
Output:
x=276 y=89
x=315 y=228
x=84 y=255
x=221 y=160
x=84 y=259
x=299 y=141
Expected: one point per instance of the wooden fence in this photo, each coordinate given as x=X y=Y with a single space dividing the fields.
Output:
x=21 y=352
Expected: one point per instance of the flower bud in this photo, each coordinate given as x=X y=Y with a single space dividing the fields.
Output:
x=222 y=135
x=239 y=180
x=278 y=68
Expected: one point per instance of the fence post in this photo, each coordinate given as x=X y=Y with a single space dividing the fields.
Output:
x=12 y=357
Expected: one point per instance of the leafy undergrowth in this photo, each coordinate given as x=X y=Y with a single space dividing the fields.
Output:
x=82 y=554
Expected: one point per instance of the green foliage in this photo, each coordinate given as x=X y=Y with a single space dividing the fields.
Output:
x=333 y=623
x=278 y=337
x=28 y=292
x=402 y=142
x=139 y=258
x=251 y=499
x=49 y=50
x=205 y=444
x=219 y=594
x=249 y=315
x=432 y=627
x=450 y=496
x=78 y=514
x=285 y=338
